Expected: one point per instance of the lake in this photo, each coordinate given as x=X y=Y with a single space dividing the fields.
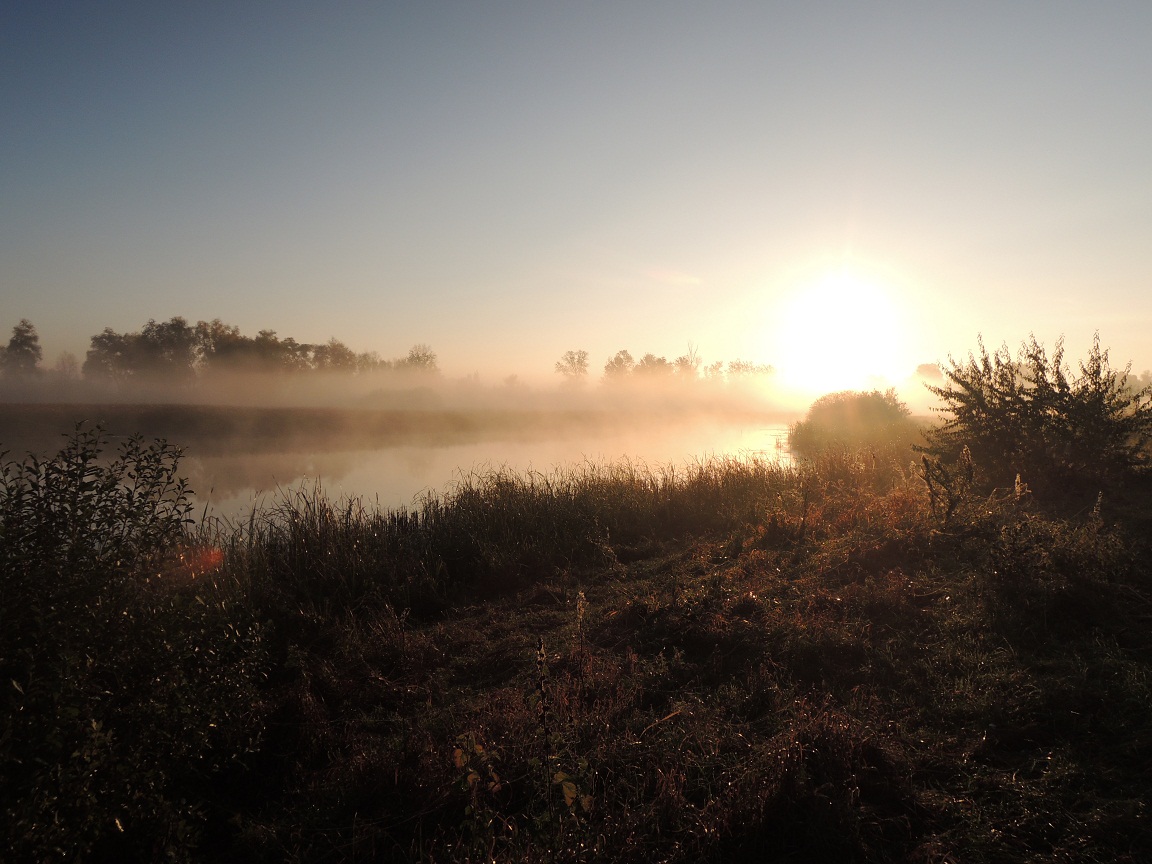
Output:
x=398 y=476
x=236 y=458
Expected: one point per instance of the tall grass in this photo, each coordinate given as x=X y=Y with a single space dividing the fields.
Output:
x=725 y=660
x=496 y=530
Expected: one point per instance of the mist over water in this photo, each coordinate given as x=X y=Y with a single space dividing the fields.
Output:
x=393 y=446
x=259 y=417
x=398 y=476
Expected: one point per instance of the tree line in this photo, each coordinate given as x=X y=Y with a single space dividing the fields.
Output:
x=175 y=352
x=573 y=368
x=178 y=352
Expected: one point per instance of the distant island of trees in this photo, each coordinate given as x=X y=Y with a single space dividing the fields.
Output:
x=165 y=358
x=175 y=353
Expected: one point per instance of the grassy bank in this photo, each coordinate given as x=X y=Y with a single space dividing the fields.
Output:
x=728 y=661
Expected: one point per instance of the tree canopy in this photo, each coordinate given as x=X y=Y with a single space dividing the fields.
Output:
x=174 y=351
x=1033 y=416
x=22 y=355
x=181 y=354
x=623 y=367
x=573 y=367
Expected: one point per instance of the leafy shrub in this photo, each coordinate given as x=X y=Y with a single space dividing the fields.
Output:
x=127 y=684
x=853 y=419
x=1031 y=416
x=71 y=527
x=72 y=513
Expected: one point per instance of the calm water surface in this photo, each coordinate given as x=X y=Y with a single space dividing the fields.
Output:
x=398 y=476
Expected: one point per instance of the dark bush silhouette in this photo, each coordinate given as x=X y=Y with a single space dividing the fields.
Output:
x=851 y=418
x=119 y=680
x=1031 y=416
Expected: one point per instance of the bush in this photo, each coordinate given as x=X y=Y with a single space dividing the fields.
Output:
x=127 y=677
x=1031 y=416
x=852 y=419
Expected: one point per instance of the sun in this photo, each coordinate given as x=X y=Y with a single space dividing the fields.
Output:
x=840 y=331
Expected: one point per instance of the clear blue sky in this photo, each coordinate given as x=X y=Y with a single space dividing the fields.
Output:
x=506 y=181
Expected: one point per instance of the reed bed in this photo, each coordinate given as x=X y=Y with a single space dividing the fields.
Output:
x=495 y=530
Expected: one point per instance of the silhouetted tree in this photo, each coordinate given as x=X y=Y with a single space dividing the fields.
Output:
x=109 y=357
x=162 y=351
x=370 y=361
x=223 y=348
x=653 y=367
x=218 y=344
x=1032 y=416
x=687 y=366
x=714 y=371
x=21 y=358
x=334 y=356
x=274 y=354
x=574 y=367
x=619 y=367
x=421 y=358
x=175 y=351
x=743 y=369
x=166 y=351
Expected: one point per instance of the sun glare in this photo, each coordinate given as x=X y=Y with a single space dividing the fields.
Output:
x=839 y=332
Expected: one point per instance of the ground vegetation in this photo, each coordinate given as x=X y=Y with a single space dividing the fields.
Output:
x=844 y=658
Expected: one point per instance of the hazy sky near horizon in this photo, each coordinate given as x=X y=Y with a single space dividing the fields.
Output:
x=788 y=183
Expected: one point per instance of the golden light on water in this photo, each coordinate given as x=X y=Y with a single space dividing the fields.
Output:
x=840 y=331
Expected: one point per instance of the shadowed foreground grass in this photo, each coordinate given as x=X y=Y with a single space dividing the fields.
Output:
x=721 y=662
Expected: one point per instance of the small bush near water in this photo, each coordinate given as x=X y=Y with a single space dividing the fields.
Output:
x=124 y=688
x=729 y=661
x=855 y=420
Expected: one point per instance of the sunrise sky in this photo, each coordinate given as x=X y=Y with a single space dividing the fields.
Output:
x=838 y=189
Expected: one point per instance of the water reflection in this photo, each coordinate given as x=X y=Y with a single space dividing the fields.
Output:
x=398 y=476
x=238 y=457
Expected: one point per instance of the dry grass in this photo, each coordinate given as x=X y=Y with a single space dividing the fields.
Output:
x=729 y=661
